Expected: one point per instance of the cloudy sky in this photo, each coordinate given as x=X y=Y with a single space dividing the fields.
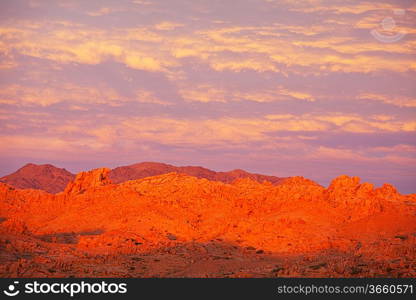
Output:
x=316 y=88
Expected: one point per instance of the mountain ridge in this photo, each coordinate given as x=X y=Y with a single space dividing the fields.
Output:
x=54 y=180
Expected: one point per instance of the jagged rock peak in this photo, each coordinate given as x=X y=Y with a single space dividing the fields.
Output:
x=343 y=190
x=344 y=182
x=87 y=180
x=298 y=181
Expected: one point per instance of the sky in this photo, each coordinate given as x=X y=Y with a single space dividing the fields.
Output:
x=313 y=88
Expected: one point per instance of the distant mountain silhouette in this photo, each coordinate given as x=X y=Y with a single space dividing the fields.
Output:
x=146 y=169
x=54 y=180
x=42 y=177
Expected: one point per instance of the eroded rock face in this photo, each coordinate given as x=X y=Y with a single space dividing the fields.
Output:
x=343 y=190
x=357 y=199
x=178 y=225
x=88 y=180
x=387 y=192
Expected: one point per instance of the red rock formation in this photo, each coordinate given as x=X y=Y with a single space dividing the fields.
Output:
x=88 y=180
x=42 y=177
x=176 y=225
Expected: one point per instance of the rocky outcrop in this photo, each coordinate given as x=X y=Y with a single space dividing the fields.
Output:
x=343 y=190
x=358 y=199
x=88 y=180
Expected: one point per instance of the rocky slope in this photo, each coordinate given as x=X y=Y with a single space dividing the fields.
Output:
x=176 y=225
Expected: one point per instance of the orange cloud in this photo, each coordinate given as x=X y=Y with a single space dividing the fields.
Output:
x=237 y=130
x=211 y=93
x=103 y=11
x=86 y=136
x=168 y=26
x=296 y=94
x=76 y=95
x=146 y=96
x=349 y=8
x=400 y=101
x=204 y=93
x=362 y=155
x=259 y=47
